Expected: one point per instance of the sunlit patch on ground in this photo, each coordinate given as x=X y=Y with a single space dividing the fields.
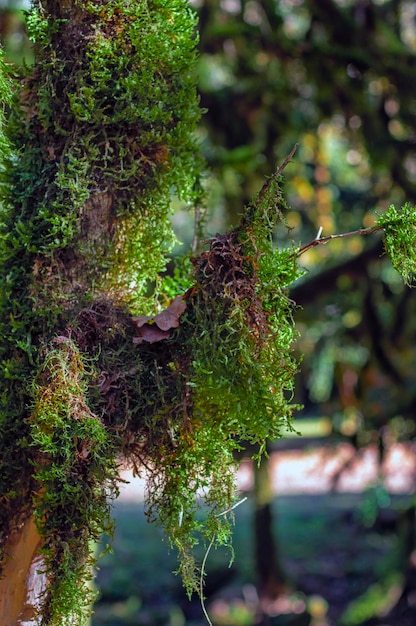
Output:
x=338 y=468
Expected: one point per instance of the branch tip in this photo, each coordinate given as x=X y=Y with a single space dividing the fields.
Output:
x=287 y=160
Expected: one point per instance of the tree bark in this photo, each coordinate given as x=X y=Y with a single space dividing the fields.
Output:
x=22 y=582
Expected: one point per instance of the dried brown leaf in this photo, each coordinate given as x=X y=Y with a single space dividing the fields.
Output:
x=157 y=328
x=169 y=318
x=150 y=333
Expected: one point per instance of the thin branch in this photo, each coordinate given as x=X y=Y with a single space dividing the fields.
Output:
x=277 y=173
x=201 y=582
x=201 y=578
x=322 y=240
x=231 y=508
x=287 y=160
x=195 y=240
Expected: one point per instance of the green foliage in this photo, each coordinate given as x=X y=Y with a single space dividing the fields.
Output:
x=399 y=228
x=376 y=601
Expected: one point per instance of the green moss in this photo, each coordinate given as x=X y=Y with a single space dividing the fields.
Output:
x=6 y=85
x=399 y=228
x=102 y=134
x=234 y=373
x=75 y=473
x=112 y=109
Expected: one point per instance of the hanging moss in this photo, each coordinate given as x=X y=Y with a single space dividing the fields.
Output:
x=231 y=366
x=76 y=474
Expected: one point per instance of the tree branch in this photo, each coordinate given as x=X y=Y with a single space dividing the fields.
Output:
x=268 y=203
x=311 y=288
x=323 y=240
x=277 y=173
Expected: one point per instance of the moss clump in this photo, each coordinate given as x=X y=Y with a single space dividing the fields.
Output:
x=399 y=226
x=106 y=131
x=75 y=474
x=233 y=365
x=182 y=402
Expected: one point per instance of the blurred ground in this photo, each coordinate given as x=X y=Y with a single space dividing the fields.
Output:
x=339 y=534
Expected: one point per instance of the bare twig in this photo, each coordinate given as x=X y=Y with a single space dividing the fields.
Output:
x=201 y=582
x=277 y=173
x=231 y=508
x=201 y=578
x=195 y=240
x=323 y=240
x=287 y=160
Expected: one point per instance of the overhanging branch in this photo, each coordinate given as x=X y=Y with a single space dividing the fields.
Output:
x=323 y=240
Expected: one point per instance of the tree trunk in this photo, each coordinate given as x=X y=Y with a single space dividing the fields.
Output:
x=271 y=579
x=101 y=131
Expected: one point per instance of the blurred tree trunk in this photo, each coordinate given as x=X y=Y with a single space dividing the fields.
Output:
x=271 y=579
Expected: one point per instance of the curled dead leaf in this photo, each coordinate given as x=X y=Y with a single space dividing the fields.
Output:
x=159 y=327
x=150 y=333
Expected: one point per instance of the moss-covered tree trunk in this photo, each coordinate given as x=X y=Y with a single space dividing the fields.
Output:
x=100 y=131
x=93 y=369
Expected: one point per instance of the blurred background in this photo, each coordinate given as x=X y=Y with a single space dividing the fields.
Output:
x=327 y=534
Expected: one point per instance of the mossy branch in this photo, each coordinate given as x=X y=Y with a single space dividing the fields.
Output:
x=267 y=209
x=319 y=240
x=399 y=236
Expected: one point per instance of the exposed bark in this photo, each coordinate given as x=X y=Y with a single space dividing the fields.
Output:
x=22 y=581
